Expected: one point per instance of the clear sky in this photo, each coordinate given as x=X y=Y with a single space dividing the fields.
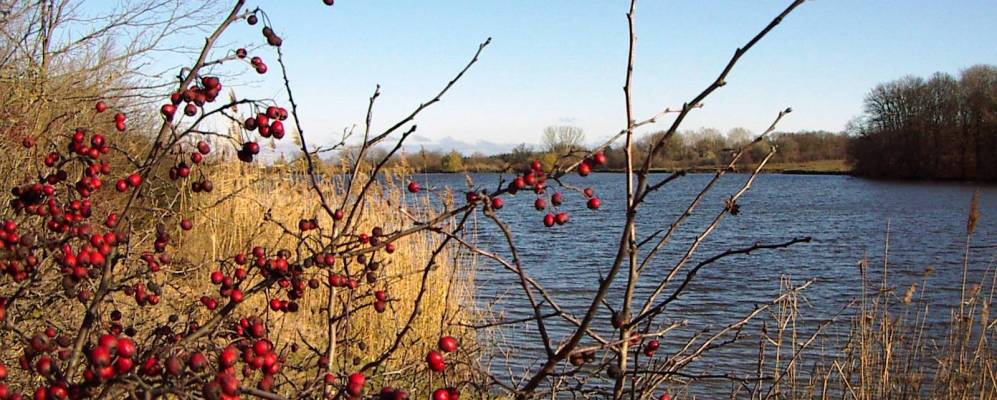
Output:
x=562 y=62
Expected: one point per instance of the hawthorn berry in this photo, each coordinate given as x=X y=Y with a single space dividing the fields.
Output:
x=540 y=204
x=435 y=361
x=168 y=110
x=197 y=362
x=441 y=394
x=599 y=158
x=356 y=383
x=134 y=180
x=549 y=220
x=448 y=344
x=584 y=169
x=557 y=198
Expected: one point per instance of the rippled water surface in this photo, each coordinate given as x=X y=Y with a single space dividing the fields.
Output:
x=847 y=218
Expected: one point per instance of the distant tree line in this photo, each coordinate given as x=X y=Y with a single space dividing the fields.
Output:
x=708 y=148
x=701 y=149
x=941 y=127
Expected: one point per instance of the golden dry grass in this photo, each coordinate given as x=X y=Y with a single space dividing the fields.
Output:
x=890 y=348
x=231 y=220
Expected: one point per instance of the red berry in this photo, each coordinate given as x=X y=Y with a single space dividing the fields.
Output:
x=228 y=357
x=168 y=110
x=599 y=158
x=100 y=356
x=123 y=365
x=584 y=169
x=44 y=365
x=561 y=218
x=448 y=344
x=413 y=187
x=540 y=204
x=380 y=306
x=497 y=203
x=58 y=392
x=262 y=347
x=126 y=347
x=101 y=106
x=549 y=220
x=134 y=180
x=186 y=224
x=197 y=362
x=173 y=366
x=277 y=129
x=435 y=361
x=230 y=385
x=356 y=382
x=441 y=394
x=594 y=203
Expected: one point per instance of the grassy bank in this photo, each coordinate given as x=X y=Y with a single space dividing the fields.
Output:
x=262 y=207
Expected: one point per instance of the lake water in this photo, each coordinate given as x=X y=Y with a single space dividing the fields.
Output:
x=846 y=216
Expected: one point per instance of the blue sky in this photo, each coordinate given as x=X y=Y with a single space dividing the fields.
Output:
x=562 y=62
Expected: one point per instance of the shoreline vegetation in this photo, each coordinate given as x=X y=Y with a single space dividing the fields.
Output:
x=912 y=128
x=821 y=167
